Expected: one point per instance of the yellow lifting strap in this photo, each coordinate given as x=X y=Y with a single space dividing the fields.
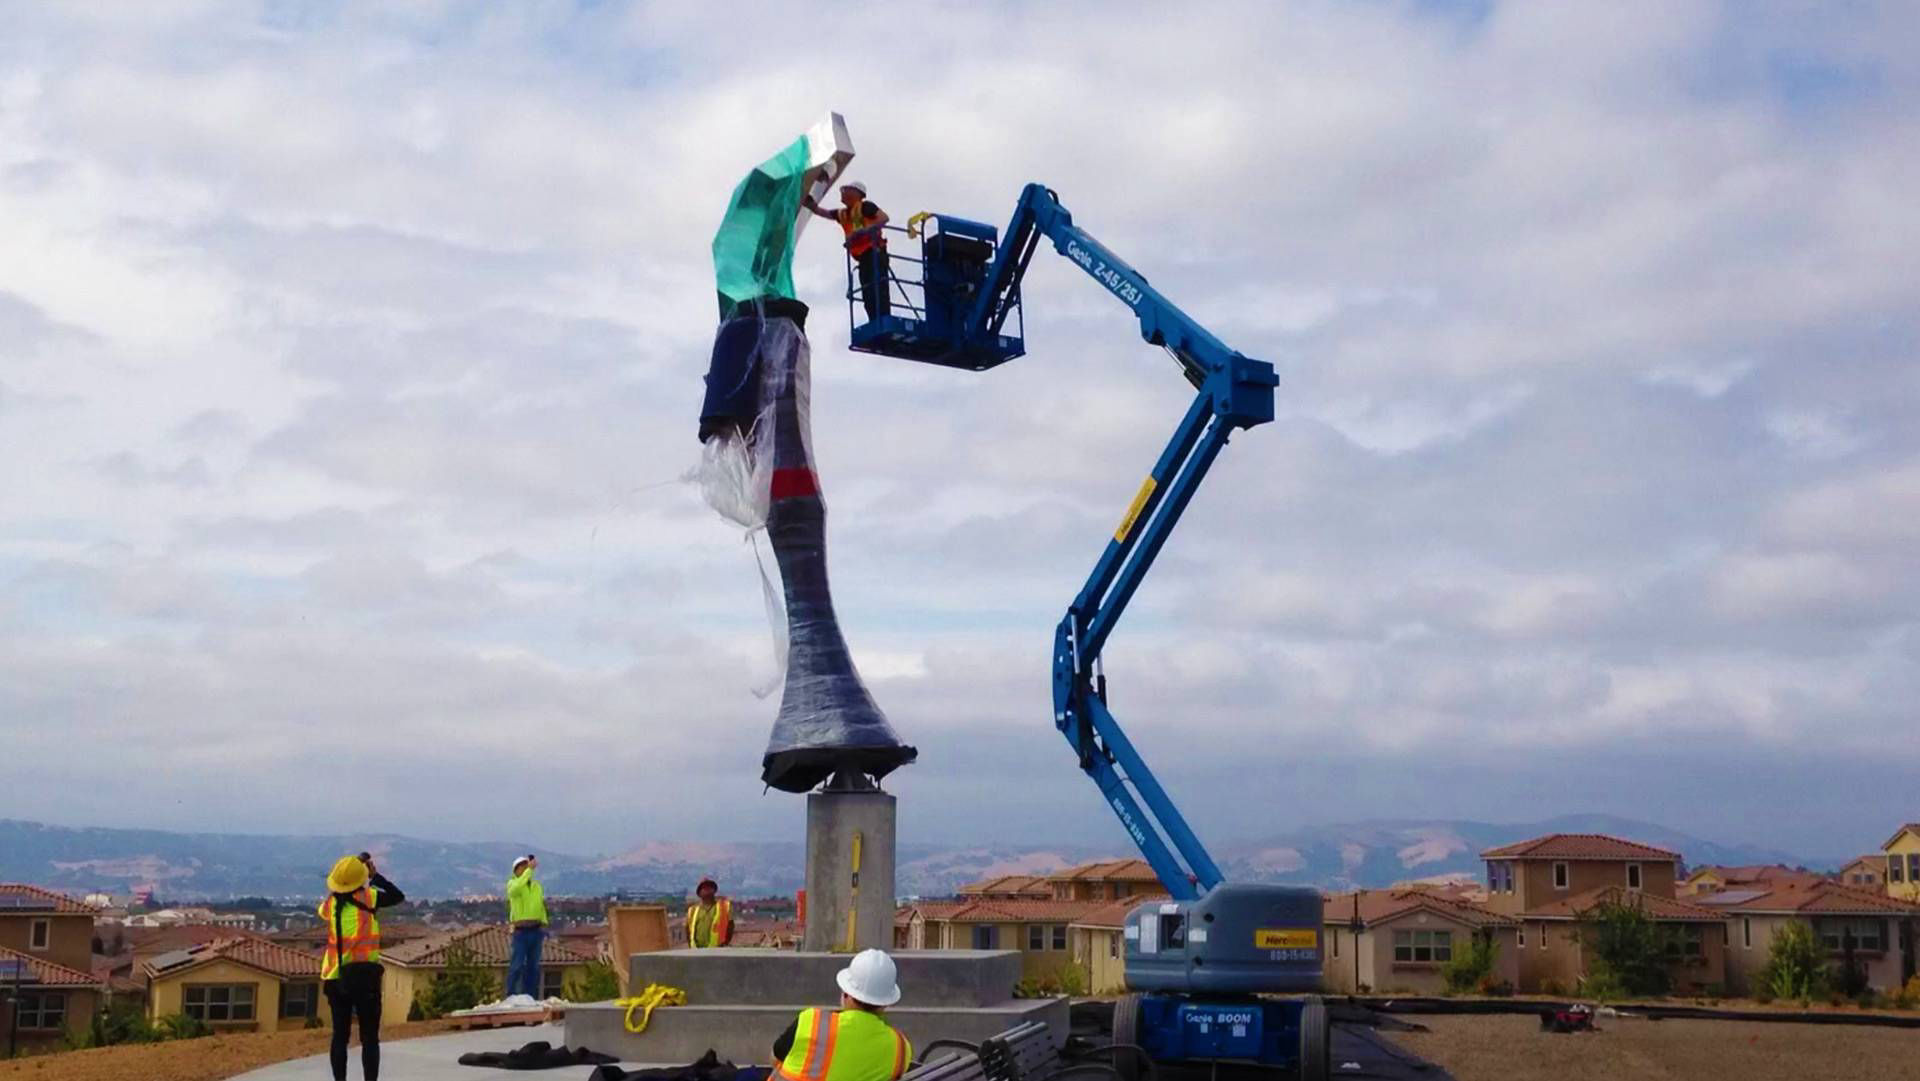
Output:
x=913 y=224
x=655 y=996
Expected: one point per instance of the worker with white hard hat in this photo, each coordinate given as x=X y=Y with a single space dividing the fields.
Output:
x=864 y=224
x=854 y=1042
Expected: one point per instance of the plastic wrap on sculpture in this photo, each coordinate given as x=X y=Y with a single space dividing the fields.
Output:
x=757 y=392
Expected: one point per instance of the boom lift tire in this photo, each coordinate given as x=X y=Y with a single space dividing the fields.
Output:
x=1126 y=1037
x=1315 y=1059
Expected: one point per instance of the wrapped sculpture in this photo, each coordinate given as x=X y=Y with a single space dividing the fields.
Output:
x=758 y=449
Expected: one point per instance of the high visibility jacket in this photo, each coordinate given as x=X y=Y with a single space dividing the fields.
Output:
x=526 y=898
x=853 y=219
x=353 y=931
x=722 y=921
x=844 y=1045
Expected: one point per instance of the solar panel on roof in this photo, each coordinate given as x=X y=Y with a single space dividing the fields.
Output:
x=12 y=970
x=1731 y=897
x=171 y=960
x=16 y=902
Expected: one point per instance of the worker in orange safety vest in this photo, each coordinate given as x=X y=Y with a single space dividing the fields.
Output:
x=864 y=224
x=350 y=968
x=854 y=1042
x=710 y=919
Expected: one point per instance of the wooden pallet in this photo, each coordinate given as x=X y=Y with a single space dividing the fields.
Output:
x=507 y=1018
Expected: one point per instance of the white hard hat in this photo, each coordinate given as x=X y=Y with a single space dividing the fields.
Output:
x=870 y=978
x=857 y=185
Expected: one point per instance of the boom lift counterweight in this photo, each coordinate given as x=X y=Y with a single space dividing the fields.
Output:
x=1198 y=964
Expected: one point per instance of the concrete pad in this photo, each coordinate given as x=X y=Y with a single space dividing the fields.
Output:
x=744 y=1035
x=743 y=976
x=437 y=1058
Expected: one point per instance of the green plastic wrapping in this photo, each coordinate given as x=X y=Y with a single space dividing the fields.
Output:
x=753 y=249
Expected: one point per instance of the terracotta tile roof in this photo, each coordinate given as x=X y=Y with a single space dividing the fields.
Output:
x=1133 y=870
x=1113 y=914
x=1753 y=872
x=1664 y=909
x=1578 y=846
x=1910 y=827
x=1022 y=911
x=47 y=974
x=1377 y=906
x=1821 y=896
x=491 y=947
x=148 y=941
x=250 y=950
x=38 y=901
x=937 y=910
x=1034 y=885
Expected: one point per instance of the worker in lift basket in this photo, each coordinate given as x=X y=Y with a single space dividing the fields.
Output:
x=710 y=919
x=864 y=225
x=854 y=1042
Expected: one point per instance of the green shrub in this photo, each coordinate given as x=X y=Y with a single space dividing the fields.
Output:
x=1471 y=967
x=600 y=982
x=1796 y=965
x=178 y=1026
x=121 y=1022
x=1906 y=998
x=1627 y=951
x=462 y=985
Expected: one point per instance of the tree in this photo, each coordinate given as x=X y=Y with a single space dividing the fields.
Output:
x=461 y=985
x=1796 y=965
x=1627 y=951
x=599 y=983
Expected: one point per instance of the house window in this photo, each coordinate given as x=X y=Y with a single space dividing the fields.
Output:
x=1543 y=936
x=1493 y=877
x=1746 y=932
x=41 y=1010
x=986 y=936
x=1913 y=866
x=553 y=981
x=1687 y=940
x=1422 y=947
x=1866 y=935
x=1633 y=876
x=1036 y=937
x=1893 y=868
x=41 y=935
x=1113 y=946
x=1559 y=876
x=218 y=1002
x=1336 y=943
x=1520 y=937
x=1059 y=936
x=300 y=1000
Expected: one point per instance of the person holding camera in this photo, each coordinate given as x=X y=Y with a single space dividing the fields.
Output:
x=527 y=913
x=350 y=969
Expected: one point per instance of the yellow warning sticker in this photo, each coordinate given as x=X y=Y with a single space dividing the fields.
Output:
x=1267 y=938
x=1133 y=511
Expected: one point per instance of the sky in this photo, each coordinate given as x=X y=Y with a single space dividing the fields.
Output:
x=350 y=359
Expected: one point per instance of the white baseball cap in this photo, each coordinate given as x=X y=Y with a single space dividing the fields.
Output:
x=857 y=185
x=870 y=978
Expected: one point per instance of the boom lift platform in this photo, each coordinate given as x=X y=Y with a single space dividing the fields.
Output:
x=1201 y=968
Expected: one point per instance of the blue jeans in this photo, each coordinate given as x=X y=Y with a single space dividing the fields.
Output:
x=523 y=968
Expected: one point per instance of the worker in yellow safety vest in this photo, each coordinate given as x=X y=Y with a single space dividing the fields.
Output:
x=710 y=919
x=350 y=968
x=864 y=224
x=854 y=1042
x=527 y=912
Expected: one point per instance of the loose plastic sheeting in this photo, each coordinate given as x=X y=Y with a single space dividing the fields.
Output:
x=828 y=721
x=753 y=249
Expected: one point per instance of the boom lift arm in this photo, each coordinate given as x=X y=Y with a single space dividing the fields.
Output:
x=1232 y=391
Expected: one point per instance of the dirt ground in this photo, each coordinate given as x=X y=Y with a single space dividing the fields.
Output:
x=210 y=1058
x=1512 y=1048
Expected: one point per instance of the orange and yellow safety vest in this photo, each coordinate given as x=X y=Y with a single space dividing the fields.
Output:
x=844 y=1045
x=853 y=219
x=353 y=931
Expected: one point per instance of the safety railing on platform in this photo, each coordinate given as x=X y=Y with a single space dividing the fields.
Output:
x=887 y=286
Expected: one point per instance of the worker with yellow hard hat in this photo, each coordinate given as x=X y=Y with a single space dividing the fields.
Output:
x=854 y=1042
x=350 y=969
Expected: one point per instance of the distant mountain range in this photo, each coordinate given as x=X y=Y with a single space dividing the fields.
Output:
x=214 y=866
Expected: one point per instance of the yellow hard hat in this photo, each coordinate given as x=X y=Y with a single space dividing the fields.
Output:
x=348 y=874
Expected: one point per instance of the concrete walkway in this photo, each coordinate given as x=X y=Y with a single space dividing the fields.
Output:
x=432 y=1058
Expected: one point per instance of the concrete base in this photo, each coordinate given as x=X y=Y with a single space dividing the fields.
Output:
x=744 y=976
x=833 y=820
x=744 y=1035
x=740 y=999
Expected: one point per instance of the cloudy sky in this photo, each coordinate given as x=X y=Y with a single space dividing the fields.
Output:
x=349 y=360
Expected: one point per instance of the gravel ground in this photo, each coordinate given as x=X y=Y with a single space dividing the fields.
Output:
x=1512 y=1048
x=210 y=1058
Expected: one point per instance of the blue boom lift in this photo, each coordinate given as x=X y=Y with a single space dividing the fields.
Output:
x=1200 y=968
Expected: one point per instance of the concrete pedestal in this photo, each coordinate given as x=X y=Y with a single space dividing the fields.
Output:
x=833 y=820
x=740 y=999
